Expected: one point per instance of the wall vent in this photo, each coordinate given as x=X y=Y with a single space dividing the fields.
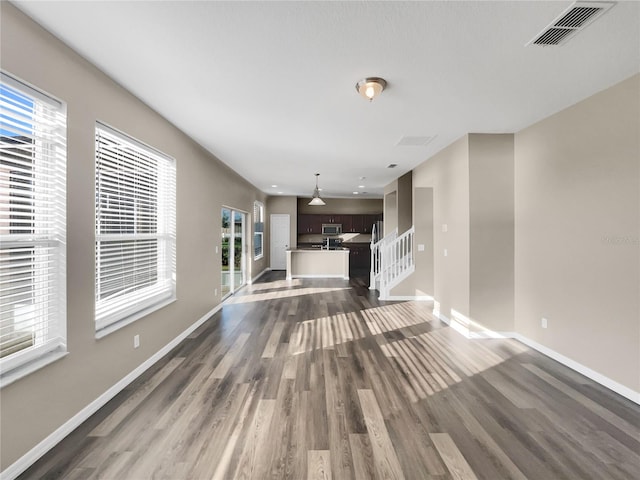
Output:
x=413 y=141
x=570 y=22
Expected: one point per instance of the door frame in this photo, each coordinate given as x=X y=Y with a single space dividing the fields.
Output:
x=244 y=264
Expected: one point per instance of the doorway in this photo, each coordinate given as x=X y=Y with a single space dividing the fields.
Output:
x=234 y=268
x=280 y=225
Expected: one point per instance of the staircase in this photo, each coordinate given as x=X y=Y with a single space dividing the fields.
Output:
x=392 y=261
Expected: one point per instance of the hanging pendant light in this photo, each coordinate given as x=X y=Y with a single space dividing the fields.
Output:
x=316 y=200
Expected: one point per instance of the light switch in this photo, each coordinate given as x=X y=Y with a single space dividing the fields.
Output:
x=421 y=247
x=445 y=252
x=445 y=228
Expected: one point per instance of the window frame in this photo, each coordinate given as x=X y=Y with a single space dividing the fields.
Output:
x=258 y=222
x=143 y=297
x=41 y=190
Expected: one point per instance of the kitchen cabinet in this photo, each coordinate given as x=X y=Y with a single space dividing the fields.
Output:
x=368 y=221
x=359 y=256
x=357 y=224
x=309 y=223
x=331 y=218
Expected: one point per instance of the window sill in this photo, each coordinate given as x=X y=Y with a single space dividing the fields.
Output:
x=103 y=332
x=257 y=258
x=20 y=372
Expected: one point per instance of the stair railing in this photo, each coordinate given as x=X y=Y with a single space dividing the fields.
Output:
x=396 y=262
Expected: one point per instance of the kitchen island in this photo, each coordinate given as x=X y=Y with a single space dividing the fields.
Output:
x=318 y=263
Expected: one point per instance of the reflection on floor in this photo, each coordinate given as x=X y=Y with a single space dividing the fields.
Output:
x=317 y=379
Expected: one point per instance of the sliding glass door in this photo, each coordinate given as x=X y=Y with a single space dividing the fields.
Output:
x=233 y=250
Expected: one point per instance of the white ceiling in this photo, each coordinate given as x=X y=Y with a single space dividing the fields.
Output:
x=269 y=87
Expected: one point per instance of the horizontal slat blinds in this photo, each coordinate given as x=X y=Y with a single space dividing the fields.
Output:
x=135 y=227
x=32 y=225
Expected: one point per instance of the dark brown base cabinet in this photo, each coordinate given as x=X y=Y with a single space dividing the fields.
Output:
x=359 y=256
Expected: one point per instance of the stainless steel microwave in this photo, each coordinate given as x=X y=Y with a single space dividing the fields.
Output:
x=332 y=229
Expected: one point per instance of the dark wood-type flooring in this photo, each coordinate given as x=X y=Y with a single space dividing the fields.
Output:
x=317 y=379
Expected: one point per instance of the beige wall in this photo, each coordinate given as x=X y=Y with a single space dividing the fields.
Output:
x=577 y=230
x=288 y=206
x=405 y=202
x=447 y=173
x=390 y=215
x=491 y=231
x=35 y=406
x=342 y=206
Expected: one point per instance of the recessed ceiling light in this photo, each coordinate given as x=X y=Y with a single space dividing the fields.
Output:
x=274 y=186
x=356 y=193
x=279 y=193
x=360 y=186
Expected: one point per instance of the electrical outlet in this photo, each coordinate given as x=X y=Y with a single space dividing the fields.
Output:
x=544 y=322
x=446 y=252
x=445 y=228
x=216 y=248
x=421 y=247
x=216 y=292
x=136 y=341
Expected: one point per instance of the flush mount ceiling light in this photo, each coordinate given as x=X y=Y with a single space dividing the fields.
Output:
x=371 y=87
x=316 y=200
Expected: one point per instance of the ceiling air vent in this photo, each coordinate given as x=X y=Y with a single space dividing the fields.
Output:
x=569 y=22
x=411 y=141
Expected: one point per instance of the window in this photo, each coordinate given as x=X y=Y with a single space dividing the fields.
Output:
x=32 y=228
x=135 y=229
x=258 y=230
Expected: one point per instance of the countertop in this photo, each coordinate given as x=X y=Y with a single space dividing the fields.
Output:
x=335 y=249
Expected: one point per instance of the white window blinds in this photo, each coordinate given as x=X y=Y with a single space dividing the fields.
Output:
x=135 y=228
x=32 y=225
x=258 y=230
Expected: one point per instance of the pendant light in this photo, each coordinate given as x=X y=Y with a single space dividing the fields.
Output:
x=316 y=200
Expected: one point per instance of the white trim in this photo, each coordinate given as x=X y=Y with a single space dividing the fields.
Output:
x=578 y=367
x=253 y=280
x=405 y=298
x=112 y=327
x=597 y=377
x=441 y=317
x=29 y=458
x=319 y=276
x=30 y=367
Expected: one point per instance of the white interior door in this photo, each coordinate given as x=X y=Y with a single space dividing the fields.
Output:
x=280 y=225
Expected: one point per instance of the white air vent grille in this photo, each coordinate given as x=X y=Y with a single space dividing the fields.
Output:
x=412 y=141
x=569 y=22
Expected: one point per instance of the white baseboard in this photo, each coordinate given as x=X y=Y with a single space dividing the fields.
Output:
x=441 y=317
x=407 y=298
x=253 y=280
x=318 y=276
x=612 y=385
x=29 y=458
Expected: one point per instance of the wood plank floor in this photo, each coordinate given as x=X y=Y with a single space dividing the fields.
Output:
x=316 y=379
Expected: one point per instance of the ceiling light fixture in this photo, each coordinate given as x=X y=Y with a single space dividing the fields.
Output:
x=371 y=87
x=316 y=200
